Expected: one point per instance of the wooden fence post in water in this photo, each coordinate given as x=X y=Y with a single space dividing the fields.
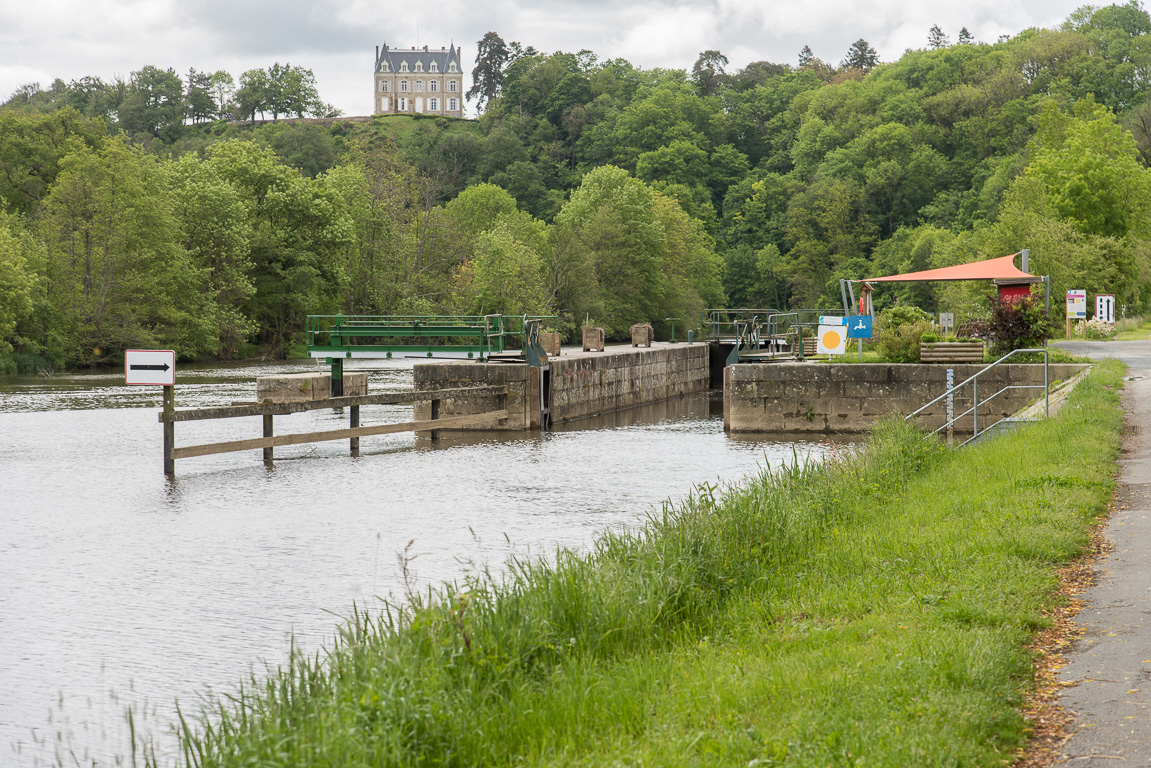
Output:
x=169 y=429
x=435 y=415
x=354 y=442
x=268 y=433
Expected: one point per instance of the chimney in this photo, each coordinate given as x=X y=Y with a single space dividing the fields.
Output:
x=425 y=48
x=377 y=53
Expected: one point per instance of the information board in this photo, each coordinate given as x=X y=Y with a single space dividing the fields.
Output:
x=1077 y=305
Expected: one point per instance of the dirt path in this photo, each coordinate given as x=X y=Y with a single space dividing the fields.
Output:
x=1110 y=664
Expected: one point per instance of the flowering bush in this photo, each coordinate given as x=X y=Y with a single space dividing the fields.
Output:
x=1099 y=329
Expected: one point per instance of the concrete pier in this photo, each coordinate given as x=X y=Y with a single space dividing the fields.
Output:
x=574 y=385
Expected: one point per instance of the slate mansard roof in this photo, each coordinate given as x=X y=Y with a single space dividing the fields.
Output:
x=394 y=57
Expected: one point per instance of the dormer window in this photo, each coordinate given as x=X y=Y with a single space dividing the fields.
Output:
x=435 y=67
x=419 y=66
x=404 y=66
x=384 y=67
x=452 y=67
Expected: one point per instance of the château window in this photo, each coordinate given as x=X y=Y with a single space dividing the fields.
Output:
x=404 y=86
x=404 y=67
x=384 y=67
x=419 y=86
x=453 y=85
x=452 y=68
x=451 y=105
x=435 y=67
x=433 y=104
x=433 y=86
x=419 y=66
x=384 y=104
x=383 y=86
x=403 y=105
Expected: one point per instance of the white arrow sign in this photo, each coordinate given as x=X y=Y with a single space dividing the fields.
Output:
x=150 y=366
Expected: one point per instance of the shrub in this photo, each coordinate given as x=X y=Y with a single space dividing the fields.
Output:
x=1099 y=329
x=899 y=332
x=1017 y=324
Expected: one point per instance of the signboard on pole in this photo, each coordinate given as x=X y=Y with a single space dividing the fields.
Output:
x=154 y=367
x=832 y=339
x=1077 y=305
x=1105 y=307
x=859 y=327
x=947 y=320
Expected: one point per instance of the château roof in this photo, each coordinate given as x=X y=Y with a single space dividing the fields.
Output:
x=394 y=57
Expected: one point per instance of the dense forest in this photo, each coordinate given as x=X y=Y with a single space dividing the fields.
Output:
x=158 y=212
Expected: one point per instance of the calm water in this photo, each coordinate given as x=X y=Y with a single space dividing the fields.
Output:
x=121 y=587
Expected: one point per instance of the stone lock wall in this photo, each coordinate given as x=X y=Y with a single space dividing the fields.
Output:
x=582 y=384
x=624 y=377
x=805 y=397
x=517 y=378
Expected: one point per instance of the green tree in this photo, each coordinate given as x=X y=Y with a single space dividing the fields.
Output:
x=860 y=56
x=936 y=39
x=708 y=72
x=492 y=56
x=18 y=280
x=116 y=275
x=215 y=233
x=154 y=104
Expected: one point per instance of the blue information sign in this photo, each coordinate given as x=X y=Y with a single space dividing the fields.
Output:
x=859 y=327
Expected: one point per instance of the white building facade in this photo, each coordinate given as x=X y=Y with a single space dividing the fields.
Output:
x=419 y=81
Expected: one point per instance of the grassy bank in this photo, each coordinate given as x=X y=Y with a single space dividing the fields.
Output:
x=870 y=611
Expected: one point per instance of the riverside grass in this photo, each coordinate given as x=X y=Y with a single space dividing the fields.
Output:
x=873 y=610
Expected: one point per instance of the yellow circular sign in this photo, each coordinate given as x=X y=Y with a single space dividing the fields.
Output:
x=831 y=339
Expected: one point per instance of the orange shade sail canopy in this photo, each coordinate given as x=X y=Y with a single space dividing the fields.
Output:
x=1000 y=268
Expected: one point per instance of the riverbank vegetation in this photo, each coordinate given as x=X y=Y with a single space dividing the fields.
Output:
x=874 y=609
x=137 y=215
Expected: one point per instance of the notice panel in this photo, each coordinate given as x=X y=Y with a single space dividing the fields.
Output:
x=150 y=367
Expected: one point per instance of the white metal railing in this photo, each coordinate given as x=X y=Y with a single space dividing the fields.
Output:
x=974 y=382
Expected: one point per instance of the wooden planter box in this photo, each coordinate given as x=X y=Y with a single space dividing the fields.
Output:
x=951 y=352
x=592 y=338
x=550 y=341
x=642 y=335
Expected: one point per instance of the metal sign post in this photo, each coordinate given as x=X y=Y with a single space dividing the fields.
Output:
x=157 y=367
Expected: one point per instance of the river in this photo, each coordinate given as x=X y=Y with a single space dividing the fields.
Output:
x=119 y=586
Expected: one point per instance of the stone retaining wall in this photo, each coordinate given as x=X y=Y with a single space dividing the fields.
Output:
x=806 y=397
x=582 y=383
x=623 y=377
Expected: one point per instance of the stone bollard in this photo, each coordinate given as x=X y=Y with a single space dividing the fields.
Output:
x=592 y=339
x=642 y=334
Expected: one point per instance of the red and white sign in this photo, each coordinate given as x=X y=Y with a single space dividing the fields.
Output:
x=155 y=367
x=1105 y=307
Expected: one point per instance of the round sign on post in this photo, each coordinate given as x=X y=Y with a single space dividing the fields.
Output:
x=150 y=367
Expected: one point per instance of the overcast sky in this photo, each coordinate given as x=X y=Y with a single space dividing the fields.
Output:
x=41 y=40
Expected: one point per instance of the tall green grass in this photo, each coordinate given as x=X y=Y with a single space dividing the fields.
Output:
x=872 y=610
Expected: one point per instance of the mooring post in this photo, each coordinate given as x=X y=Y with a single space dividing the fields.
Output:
x=169 y=429
x=337 y=377
x=354 y=442
x=268 y=433
x=435 y=415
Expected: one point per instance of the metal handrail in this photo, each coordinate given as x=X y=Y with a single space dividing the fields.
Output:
x=973 y=380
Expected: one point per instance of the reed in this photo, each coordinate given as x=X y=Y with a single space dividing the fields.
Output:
x=870 y=610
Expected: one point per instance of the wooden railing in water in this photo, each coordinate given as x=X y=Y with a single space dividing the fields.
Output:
x=169 y=416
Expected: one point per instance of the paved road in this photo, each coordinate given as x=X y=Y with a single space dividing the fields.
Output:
x=1112 y=661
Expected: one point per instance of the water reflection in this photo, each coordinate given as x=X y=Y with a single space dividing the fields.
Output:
x=121 y=586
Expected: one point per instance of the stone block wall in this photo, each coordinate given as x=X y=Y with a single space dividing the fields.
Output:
x=624 y=377
x=806 y=397
x=519 y=380
x=581 y=385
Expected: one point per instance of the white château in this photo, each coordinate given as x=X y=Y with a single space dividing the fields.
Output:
x=419 y=81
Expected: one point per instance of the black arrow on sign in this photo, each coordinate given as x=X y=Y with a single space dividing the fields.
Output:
x=163 y=367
